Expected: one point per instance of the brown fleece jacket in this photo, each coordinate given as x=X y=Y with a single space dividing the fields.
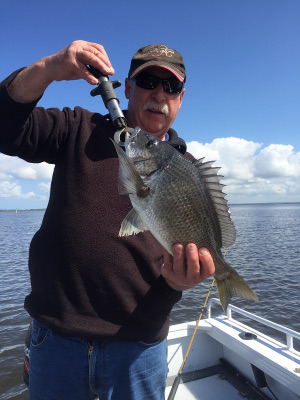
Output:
x=86 y=281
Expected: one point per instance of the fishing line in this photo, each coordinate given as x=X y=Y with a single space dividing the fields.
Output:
x=196 y=327
x=177 y=379
x=197 y=324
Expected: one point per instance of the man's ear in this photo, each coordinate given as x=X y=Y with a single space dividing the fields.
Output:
x=181 y=96
x=128 y=87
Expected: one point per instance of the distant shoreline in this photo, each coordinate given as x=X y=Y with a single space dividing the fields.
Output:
x=31 y=209
x=230 y=205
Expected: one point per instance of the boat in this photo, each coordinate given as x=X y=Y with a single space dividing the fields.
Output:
x=231 y=360
x=227 y=359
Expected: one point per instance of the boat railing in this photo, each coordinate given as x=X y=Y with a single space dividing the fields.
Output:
x=290 y=334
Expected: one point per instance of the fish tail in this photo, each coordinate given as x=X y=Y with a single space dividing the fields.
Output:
x=229 y=284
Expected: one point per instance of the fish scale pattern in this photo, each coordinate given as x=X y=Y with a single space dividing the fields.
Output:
x=179 y=207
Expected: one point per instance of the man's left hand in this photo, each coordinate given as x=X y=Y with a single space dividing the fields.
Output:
x=187 y=267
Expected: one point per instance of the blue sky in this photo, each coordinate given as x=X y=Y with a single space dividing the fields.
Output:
x=242 y=100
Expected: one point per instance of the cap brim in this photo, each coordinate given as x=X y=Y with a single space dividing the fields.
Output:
x=149 y=64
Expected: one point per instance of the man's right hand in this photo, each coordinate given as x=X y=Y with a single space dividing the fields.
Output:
x=70 y=63
x=67 y=64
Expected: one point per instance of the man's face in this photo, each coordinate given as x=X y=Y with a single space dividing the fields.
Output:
x=152 y=110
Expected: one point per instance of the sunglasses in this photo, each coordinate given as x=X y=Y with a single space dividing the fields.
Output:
x=150 y=82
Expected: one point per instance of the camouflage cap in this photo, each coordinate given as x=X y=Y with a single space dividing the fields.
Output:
x=157 y=55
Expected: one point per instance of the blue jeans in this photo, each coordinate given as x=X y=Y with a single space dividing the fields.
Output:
x=73 y=369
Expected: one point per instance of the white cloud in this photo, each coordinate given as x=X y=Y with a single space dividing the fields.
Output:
x=277 y=160
x=234 y=155
x=20 y=169
x=253 y=173
x=16 y=174
x=10 y=189
x=45 y=187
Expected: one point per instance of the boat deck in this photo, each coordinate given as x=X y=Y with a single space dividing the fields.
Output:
x=210 y=388
x=211 y=383
x=230 y=360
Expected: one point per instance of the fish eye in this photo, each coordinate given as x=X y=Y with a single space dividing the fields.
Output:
x=150 y=143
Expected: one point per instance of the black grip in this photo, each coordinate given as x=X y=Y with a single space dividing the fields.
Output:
x=94 y=71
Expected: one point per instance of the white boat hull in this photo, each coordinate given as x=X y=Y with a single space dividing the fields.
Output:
x=276 y=365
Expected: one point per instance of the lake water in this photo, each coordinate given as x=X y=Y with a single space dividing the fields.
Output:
x=266 y=253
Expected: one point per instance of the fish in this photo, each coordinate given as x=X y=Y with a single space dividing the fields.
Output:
x=178 y=201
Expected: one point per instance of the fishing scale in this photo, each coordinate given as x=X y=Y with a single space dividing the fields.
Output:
x=106 y=89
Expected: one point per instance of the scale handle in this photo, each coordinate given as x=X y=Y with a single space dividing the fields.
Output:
x=106 y=89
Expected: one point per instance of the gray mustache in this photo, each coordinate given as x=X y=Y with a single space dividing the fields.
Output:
x=154 y=106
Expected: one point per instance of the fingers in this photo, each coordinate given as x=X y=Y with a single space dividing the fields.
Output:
x=207 y=263
x=95 y=55
x=70 y=63
x=188 y=266
x=170 y=271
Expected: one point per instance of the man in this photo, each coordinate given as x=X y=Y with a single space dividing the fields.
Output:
x=100 y=303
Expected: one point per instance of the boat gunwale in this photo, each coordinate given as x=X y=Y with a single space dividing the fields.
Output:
x=290 y=333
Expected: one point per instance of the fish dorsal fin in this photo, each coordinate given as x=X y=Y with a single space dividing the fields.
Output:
x=132 y=224
x=212 y=180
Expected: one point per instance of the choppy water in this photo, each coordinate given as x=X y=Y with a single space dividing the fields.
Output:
x=266 y=254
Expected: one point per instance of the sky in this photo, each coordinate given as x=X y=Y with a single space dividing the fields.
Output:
x=241 y=107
